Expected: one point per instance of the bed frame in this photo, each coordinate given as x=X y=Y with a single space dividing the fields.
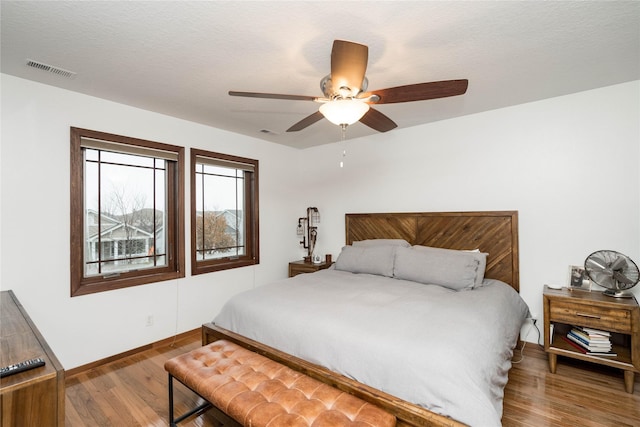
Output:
x=494 y=232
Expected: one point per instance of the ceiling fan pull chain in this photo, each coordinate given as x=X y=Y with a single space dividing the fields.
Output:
x=344 y=144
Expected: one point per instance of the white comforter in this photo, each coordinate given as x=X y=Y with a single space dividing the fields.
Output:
x=444 y=350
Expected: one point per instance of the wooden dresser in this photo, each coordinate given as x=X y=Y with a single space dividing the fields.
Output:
x=34 y=397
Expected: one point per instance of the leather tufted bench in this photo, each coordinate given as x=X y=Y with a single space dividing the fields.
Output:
x=251 y=390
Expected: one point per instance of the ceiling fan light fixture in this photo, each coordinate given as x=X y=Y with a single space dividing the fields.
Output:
x=344 y=111
x=346 y=99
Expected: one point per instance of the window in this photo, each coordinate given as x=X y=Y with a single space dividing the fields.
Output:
x=127 y=220
x=224 y=212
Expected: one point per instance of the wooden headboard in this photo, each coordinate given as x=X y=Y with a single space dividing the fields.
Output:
x=494 y=232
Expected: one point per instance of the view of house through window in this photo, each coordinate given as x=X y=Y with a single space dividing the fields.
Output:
x=126 y=204
x=224 y=211
x=220 y=211
x=125 y=198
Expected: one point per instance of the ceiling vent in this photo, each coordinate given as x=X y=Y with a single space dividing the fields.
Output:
x=268 y=132
x=50 y=68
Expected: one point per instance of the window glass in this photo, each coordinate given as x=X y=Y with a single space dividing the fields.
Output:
x=224 y=211
x=125 y=211
x=126 y=206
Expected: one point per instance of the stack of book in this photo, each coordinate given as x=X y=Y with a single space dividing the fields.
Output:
x=590 y=341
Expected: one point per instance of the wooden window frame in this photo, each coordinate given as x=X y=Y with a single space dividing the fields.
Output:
x=252 y=228
x=174 y=227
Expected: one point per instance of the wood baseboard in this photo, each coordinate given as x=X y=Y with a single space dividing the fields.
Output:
x=98 y=363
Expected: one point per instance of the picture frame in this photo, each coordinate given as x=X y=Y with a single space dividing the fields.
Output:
x=578 y=278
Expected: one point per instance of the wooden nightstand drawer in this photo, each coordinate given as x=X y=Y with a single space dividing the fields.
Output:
x=592 y=316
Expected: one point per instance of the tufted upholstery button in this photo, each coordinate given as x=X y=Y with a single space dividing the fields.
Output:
x=258 y=392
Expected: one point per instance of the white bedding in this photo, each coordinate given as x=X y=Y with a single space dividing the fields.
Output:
x=444 y=350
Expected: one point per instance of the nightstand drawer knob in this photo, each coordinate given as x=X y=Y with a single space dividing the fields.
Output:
x=591 y=316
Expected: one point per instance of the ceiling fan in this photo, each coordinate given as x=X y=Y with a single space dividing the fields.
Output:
x=346 y=100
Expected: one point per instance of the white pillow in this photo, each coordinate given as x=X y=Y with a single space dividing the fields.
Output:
x=482 y=265
x=481 y=257
x=455 y=270
x=382 y=242
x=367 y=259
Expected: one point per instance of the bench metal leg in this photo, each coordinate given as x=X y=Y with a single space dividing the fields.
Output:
x=173 y=422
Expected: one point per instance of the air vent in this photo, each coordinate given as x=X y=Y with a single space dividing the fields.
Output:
x=268 y=132
x=50 y=68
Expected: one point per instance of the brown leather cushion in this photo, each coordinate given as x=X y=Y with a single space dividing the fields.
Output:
x=257 y=391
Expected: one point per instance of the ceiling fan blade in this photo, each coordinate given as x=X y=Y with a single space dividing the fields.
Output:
x=273 y=96
x=307 y=121
x=378 y=121
x=420 y=91
x=348 y=65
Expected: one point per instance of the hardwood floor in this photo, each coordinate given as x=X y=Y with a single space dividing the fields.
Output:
x=578 y=394
x=133 y=392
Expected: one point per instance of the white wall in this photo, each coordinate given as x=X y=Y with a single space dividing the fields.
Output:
x=35 y=224
x=569 y=165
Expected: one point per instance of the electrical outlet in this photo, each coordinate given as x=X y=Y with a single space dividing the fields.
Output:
x=149 y=320
x=533 y=317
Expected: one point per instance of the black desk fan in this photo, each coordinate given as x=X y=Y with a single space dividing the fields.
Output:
x=614 y=271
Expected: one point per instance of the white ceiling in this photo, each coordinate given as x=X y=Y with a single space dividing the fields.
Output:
x=181 y=58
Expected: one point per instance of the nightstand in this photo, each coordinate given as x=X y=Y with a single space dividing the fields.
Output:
x=299 y=267
x=564 y=308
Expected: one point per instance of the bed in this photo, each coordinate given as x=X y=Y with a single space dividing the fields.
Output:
x=376 y=326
